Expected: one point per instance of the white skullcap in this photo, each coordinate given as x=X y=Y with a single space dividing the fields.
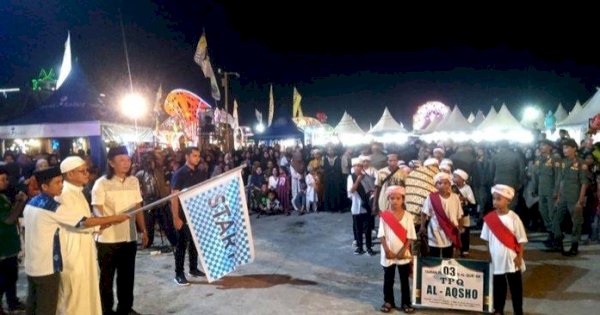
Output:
x=447 y=161
x=71 y=163
x=431 y=161
x=394 y=190
x=356 y=161
x=440 y=150
x=365 y=158
x=504 y=191
x=462 y=174
x=441 y=176
x=401 y=162
x=406 y=169
x=446 y=167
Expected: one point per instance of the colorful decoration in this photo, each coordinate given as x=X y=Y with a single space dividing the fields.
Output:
x=550 y=121
x=321 y=117
x=427 y=113
x=45 y=81
x=185 y=106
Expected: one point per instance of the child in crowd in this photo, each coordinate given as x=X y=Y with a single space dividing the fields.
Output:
x=441 y=217
x=273 y=205
x=260 y=199
x=311 y=192
x=505 y=234
x=467 y=199
x=299 y=202
x=396 y=233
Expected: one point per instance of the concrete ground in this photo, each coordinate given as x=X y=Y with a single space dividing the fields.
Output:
x=305 y=265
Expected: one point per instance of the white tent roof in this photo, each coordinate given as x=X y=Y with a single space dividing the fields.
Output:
x=479 y=118
x=589 y=110
x=347 y=126
x=471 y=117
x=489 y=118
x=454 y=122
x=504 y=120
x=560 y=114
x=387 y=124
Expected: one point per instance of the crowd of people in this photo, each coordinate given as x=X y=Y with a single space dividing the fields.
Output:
x=424 y=197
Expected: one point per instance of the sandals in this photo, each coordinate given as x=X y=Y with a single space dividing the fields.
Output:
x=408 y=309
x=386 y=308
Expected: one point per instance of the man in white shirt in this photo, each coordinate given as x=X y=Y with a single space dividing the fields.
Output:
x=114 y=193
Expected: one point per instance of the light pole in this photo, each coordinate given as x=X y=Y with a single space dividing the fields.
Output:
x=226 y=74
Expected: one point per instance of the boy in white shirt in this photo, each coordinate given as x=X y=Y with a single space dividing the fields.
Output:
x=467 y=199
x=396 y=233
x=441 y=216
x=506 y=237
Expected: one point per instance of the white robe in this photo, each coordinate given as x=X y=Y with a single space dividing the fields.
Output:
x=311 y=194
x=79 y=282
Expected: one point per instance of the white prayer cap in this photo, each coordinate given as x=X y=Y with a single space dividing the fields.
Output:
x=356 y=161
x=462 y=174
x=445 y=167
x=365 y=158
x=441 y=176
x=401 y=162
x=71 y=163
x=447 y=161
x=504 y=191
x=315 y=151
x=414 y=163
x=431 y=162
x=405 y=169
x=440 y=150
x=394 y=190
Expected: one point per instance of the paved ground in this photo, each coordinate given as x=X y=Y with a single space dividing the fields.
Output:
x=305 y=265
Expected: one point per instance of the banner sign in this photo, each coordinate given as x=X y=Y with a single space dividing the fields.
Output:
x=217 y=215
x=458 y=284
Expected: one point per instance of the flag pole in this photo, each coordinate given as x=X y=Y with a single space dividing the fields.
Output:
x=133 y=208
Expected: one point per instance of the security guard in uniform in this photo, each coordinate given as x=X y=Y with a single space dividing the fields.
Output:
x=572 y=185
x=545 y=174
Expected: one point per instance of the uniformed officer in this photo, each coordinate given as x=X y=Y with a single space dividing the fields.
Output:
x=545 y=174
x=571 y=186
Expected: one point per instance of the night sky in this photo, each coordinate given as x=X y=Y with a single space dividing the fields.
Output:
x=341 y=57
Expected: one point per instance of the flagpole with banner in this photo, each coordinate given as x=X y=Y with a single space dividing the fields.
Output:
x=271 y=107
x=217 y=214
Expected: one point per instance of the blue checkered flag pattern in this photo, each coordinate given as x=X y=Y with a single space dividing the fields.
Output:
x=218 y=218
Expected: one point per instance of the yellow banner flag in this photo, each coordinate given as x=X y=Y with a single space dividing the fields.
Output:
x=297 y=109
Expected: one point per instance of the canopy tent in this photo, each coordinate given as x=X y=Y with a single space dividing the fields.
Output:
x=387 y=124
x=489 y=118
x=282 y=128
x=504 y=120
x=576 y=108
x=580 y=117
x=455 y=122
x=74 y=110
x=348 y=126
x=560 y=114
x=479 y=118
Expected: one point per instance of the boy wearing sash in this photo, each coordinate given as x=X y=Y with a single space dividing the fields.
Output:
x=396 y=232
x=504 y=232
x=441 y=215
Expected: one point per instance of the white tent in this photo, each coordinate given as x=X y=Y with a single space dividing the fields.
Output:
x=576 y=108
x=455 y=122
x=347 y=126
x=504 y=120
x=479 y=118
x=471 y=117
x=489 y=118
x=387 y=124
x=560 y=114
x=580 y=118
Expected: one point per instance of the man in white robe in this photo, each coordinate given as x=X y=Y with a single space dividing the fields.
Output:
x=79 y=291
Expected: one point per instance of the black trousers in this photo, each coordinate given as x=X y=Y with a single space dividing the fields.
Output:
x=9 y=273
x=389 y=273
x=516 y=292
x=362 y=222
x=161 y=215
x=42 y=294
x=441 y=252
x=185 y=241
x=465 y=239
x=117 y=258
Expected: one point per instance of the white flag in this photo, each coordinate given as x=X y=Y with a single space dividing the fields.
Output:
x=236 y=121
x=65 y=68
x=258 y=116
x=271 y=106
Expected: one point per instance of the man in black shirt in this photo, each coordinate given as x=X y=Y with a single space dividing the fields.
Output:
x=186 y=176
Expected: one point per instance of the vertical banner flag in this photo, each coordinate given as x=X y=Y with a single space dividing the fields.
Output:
x=258 y=116
x=157 y=107
x=236 y=121
x=65 y=68
x=203 y=60
x=297 y=110
x=218 y=218
x=271 y=107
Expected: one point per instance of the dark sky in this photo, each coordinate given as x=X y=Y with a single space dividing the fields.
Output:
x=358 y=57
